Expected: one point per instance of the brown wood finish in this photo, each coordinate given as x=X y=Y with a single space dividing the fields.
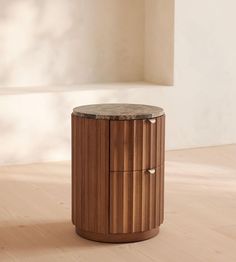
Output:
x=161 y=145
x=90 y=171
x=119 y=238
x=73 y=165
x=134 y=201
x=114 y=198
x=133 y=144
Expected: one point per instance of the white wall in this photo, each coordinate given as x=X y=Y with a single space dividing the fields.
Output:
x=159 y=39
x=200 y=108
x=61 y=42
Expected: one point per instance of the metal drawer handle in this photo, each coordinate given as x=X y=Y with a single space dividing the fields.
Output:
x=152 y=120
x=151 y=171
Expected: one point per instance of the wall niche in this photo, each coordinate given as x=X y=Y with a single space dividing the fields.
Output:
x=86 y=41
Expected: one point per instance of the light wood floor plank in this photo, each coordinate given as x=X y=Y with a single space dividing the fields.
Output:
x=200 y=213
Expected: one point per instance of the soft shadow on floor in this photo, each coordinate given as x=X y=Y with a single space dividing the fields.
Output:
x=43 y=236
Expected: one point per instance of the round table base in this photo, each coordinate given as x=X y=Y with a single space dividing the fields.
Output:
x=118 y=238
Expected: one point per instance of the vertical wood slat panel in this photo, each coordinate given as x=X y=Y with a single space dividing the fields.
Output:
x=133 y=202
x=73 y=162
x=158 y=178
x=162 y=143
x=90 y=174
x=83 y=151
x=136 y=196
x=133 y=145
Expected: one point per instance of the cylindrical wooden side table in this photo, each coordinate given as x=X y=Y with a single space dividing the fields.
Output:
x=117 y=171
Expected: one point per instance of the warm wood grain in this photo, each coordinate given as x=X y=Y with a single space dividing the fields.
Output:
x=117 y=202
x=135 y=145
x=134 y=201
x=119 y=238
x=161 y=145
x=90 y=174
x=73 y=167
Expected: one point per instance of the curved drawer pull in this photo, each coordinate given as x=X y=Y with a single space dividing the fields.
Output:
x=152 y=120
x=151 y=171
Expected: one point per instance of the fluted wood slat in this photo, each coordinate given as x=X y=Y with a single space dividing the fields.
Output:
x=73 y=153
x=137 y=198
x=162 y=157
x=133 y=145
x=90 y=187
x=134 y=205
x=113 y=195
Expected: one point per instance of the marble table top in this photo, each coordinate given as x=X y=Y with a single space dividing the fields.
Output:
x=118 y=111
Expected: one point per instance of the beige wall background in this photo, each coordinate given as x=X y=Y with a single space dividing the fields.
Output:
x=60 y=42
x=35 y=119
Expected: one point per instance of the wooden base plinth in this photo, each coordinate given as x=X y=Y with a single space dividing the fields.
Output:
x=118 y=238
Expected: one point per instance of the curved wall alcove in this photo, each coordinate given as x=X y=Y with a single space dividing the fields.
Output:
x=49 y=43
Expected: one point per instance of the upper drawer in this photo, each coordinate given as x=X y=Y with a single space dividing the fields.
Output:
x=136 y=144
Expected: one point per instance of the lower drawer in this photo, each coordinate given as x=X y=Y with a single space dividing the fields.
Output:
x=136 y=201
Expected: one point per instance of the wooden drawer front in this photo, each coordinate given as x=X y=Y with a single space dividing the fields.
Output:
x=90 y=174
x=135 y=201
x=136 y=144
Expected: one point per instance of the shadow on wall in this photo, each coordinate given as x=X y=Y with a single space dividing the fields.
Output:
x=39 y=131
x=37 y=127
x=37 y=42
x=42 y=44
x=70 y=42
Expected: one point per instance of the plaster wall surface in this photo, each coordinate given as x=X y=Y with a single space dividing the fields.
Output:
x=200 y=107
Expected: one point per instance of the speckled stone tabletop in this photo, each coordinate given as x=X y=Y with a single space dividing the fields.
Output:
x=118 y=111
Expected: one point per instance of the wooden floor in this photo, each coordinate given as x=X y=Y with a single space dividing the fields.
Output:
x=200 y=213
